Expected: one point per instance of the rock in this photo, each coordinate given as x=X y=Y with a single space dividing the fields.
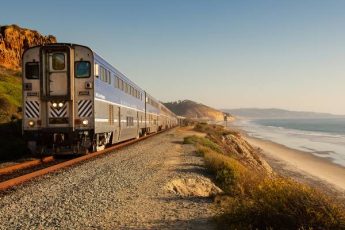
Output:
x=246 y=153
x=193 y=186
x=14 y=40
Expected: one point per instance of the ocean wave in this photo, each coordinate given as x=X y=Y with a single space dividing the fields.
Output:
x=321 y=144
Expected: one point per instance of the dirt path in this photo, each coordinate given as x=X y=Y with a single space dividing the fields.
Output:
x=131 y=188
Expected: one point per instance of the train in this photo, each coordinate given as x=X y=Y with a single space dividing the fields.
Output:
x=75 y=102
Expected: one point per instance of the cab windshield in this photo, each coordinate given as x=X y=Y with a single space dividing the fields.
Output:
x=82 y=69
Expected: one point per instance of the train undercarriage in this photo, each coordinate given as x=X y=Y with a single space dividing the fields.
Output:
x=61 y=142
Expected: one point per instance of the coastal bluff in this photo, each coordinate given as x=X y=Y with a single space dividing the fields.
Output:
x=193 y=110
x=14 y=40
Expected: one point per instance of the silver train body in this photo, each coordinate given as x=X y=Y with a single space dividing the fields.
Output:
x=75 y=102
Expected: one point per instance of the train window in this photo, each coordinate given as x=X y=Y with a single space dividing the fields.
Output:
x=116 y=81
x=82 y=69
x=96 y=71
x=103 y=74
x=58 y=61
x=109 y=77
x=32 y=70
x=121 y=84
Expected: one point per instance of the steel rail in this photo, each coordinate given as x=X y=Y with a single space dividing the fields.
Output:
x=24 y=165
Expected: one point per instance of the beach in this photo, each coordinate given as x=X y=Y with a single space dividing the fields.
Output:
x=302 y=166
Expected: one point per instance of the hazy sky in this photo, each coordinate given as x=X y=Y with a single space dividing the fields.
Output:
x=226 y=54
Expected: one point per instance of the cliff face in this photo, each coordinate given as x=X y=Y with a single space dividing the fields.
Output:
x=245 y=152
x=14 y=40
x=193 y=110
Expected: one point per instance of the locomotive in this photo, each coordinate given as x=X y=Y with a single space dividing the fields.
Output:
x=74 y=101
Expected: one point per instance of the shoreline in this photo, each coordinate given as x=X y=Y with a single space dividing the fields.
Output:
x=302 y=166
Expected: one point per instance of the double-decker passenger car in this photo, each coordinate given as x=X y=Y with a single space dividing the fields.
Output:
x=74 y=101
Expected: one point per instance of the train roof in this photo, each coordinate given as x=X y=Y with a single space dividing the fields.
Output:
x=114 y=69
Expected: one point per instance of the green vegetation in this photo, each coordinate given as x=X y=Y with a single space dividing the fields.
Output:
x=203 y=142
x=214 y=130
x=11 y=142
x=254 y=200
x=10 y=95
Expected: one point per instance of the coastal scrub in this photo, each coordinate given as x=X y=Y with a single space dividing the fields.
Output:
x=257 y=200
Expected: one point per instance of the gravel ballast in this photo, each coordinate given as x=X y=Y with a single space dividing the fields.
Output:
x=124 y=189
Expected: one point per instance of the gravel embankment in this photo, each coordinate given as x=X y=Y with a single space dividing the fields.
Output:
x=125 y=189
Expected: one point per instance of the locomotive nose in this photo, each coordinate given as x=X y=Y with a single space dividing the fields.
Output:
x=58 y=113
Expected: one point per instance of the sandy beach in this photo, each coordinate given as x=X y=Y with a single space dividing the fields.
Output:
x=303 y=166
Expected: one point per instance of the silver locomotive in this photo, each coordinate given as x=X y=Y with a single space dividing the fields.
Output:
x=74 y=101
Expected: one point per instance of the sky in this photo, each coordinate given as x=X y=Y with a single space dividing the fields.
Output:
x=225 y=54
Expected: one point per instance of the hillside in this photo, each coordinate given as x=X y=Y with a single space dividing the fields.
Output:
x=194 y=110
x=277 y=113
x=14 y=40
x=10 y=94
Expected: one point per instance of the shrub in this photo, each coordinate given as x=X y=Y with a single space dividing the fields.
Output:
x=214 y=130
x=256 y=201
x=281 y=203
x=203 y=142
x=231 y=175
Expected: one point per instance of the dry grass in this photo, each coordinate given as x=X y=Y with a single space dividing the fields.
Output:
x=254 y=201
x=203 y=142
x=214 y=130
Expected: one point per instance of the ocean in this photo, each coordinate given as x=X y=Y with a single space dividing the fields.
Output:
x=321 y=137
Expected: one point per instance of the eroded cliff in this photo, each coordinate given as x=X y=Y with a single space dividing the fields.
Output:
x=14 y=40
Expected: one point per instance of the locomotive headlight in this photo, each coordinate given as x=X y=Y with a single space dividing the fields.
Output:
x=31 y=123
x=85 y=122
x=60 y=104
x=55 y=104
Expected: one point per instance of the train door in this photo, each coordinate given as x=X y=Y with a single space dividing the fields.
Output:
x=120 y=127
x=117 y=123
x=55 y=85
x=111 y=115
x=56 y=74
x=138 y=125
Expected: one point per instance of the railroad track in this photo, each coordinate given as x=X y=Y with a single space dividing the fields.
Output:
x=20 y=173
